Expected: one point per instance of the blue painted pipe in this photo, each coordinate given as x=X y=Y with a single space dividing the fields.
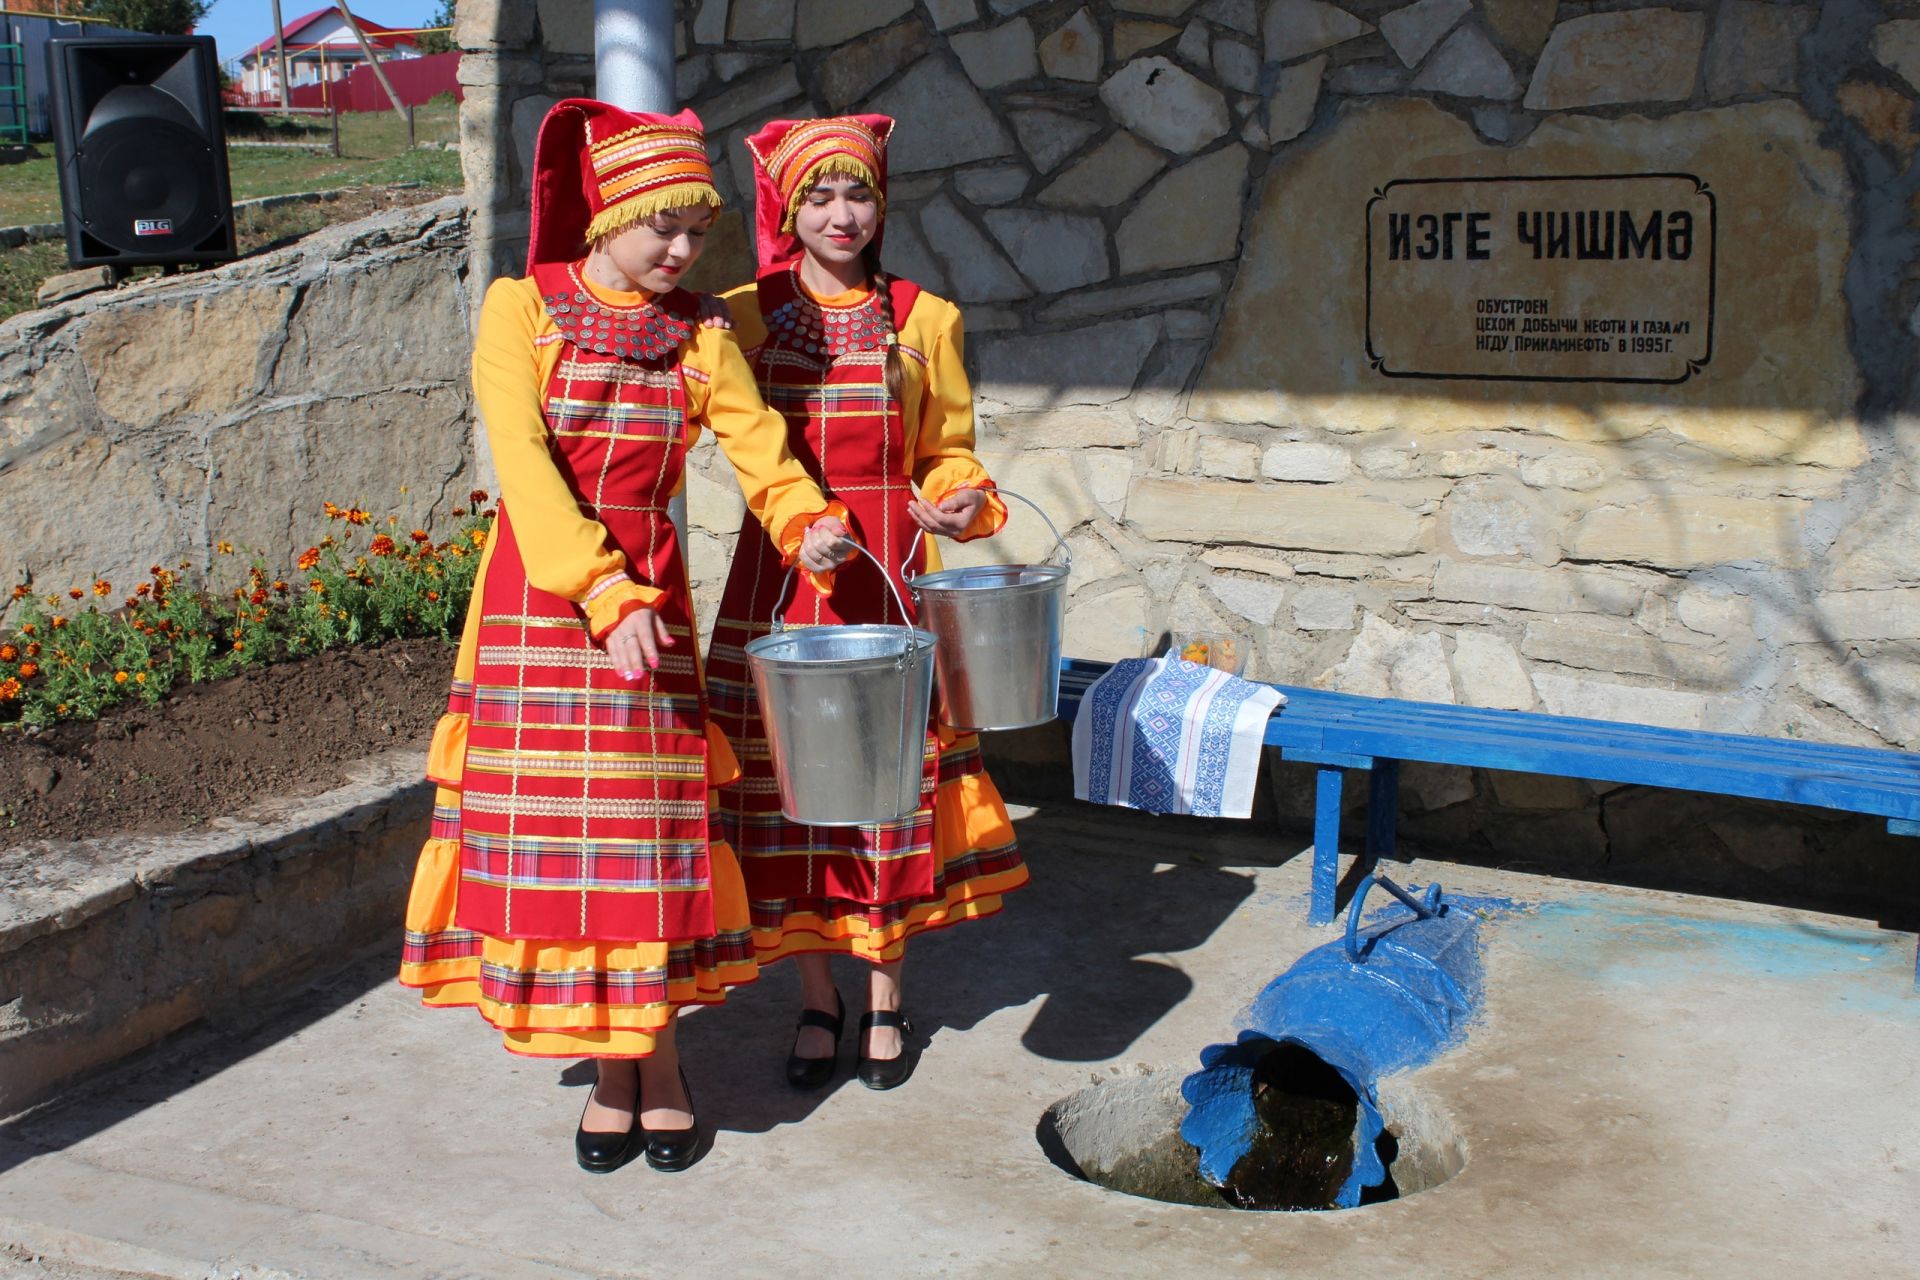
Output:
x=1406 y=991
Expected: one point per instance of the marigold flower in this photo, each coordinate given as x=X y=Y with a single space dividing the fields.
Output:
x=58 y=622
x=340 y=615
x=8 y=653
x=155 y=571
x=22 y=591
x=76 y=593
x=308 y=558
x=121 y=677
x=258 y=597
x=9 y=689
x=144 y=589
x=478 y=537
x=421 y=535
x=33 y=649
x=459 y=511
x=224 y=547
x=139 y=677
x=60 y=710
x=382 y=545
x=356 y=516
x=239 y=645
x=316 y=586
x=333 y=512
x=28 y=670
x=457 y=552
x=130 y=603
x=28 y=630
x=433 y=595
x=279 y=586
x=101 y=587
x=477 y=497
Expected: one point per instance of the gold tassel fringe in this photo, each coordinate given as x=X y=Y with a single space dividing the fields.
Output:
x=838 y=166
x=616 y=218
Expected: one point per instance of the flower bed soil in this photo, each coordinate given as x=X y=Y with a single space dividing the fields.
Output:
x=223 y=747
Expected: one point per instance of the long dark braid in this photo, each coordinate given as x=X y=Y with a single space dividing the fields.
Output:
x=896 y=371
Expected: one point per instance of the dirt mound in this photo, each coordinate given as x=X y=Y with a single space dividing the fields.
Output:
x=222 y=747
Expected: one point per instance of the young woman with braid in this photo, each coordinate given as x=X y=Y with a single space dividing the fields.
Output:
x=575 y=890
x=867 y=371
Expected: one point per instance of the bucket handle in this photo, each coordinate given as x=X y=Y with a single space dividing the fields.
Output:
x=1059 y=542
x=786 y=586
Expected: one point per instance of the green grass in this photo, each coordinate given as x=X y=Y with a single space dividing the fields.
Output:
x=374 y=154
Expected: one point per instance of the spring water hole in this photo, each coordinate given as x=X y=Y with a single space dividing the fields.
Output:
x=1124 y=1134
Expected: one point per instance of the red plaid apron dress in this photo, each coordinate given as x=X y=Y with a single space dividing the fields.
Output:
x=823 y=369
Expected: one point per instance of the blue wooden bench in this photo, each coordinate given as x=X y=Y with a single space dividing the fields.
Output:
x=1341 y=731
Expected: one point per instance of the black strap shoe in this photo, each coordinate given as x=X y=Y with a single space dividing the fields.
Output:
x=812 y=1073
x=671 y=1150
x=603 y=1152
x=885 y=1073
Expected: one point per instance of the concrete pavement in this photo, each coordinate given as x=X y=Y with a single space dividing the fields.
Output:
x=1660 y=1085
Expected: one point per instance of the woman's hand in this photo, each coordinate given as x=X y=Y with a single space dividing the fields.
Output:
x=950 y=517
x=714 y=313
x=825 y=545
x=634 y=645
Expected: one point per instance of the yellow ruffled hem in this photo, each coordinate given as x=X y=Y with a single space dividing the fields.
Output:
x=968 y=817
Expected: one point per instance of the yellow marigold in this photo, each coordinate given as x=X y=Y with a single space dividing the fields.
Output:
x=478 y=537
x=121 y=677
x=58 y=622
x=101 y=587
x=224 y=547
x=139 y=677
x=8 y=653
x=333 y=512
x=9 y=689
x=28 y=670
x=382 y=545
x=316 y=586
x=308 y=558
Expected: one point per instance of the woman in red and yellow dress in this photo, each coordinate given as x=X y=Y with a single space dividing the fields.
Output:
x=575 y=890
x=867 y=372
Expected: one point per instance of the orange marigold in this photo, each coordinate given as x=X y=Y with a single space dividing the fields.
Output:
x=28 y=630
x=224 y=547
x=121 y=677
x=421 y=535
x=316 y=586
x=308 y=558
x=433 y=595
x=28 y=670
x=8 y=653
x=22 y=591
x=333 y=512
x=9 y=689
x=356 y=516
x=258 y=597
x=101 y=587
x=239 y=645
x=76 y=593
x=382 y=545
x=57 y=620
x=279 y=586
x=33 y=648
x=139 y=677
x=144 y=589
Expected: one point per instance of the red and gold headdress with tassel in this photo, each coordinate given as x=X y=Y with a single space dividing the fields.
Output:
x=598 y=170
x=791 y=157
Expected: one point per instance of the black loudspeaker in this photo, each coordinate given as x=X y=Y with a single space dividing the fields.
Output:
x=143 y=156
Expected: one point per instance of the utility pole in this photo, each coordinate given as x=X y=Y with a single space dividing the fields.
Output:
x=379 y=72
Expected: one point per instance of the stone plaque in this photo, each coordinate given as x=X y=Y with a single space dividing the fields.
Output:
x=1606 y=278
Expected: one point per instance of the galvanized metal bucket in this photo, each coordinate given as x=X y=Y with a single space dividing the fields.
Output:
x=846 y=710
x=997 y=631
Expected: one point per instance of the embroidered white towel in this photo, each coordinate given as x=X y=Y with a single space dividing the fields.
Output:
x=1169 y=736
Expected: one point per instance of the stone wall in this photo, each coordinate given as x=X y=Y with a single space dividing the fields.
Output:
x=150 y=423
x=1156 y=215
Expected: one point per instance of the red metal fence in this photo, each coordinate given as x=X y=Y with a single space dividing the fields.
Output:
x=416 y=80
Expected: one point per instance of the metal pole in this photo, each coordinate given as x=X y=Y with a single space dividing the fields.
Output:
x=633 y=54
x=379 y=72
x=280 y=52
x=633 y=69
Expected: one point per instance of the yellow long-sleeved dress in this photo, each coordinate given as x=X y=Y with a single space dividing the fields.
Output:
x=572 y=890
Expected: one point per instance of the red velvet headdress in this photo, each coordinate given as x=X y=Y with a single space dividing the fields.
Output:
x=598 y=169
x=791 y=156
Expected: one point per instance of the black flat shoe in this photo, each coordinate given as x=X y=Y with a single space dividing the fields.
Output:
x=812 y=1073
x=885 y=1073
x=671 y=1150
x=604 y=1152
